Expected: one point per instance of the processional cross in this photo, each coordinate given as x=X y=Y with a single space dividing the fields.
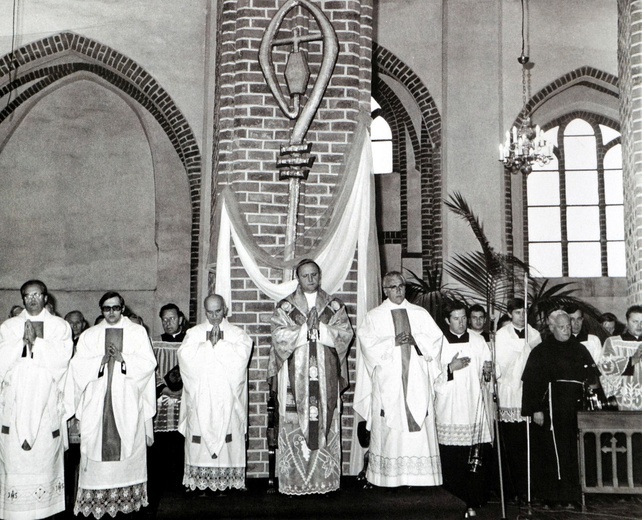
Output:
x=295 y=160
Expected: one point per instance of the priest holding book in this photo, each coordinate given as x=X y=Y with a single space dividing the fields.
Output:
x=35 y=348
x=111 y=389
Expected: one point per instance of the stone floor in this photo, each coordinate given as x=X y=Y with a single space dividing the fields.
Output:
x=353 y=502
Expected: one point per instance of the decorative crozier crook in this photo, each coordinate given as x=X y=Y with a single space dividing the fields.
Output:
x=297 y=162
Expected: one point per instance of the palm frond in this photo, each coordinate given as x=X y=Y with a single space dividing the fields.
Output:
x=545 y=300
x=430 y=294
x=458 y=205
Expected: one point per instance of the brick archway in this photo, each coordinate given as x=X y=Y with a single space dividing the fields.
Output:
x=27 y=73
x=426 y=144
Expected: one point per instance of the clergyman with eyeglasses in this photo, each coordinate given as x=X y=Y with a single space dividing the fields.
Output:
x=35 y=349
x=400 y=345
x=111 y=389
x=173 y=322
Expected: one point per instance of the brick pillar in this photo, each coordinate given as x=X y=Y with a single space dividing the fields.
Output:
x=629 y=65
x=249 y=128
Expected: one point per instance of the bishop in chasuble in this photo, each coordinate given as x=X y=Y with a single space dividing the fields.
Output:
x=311 y=334
x=35 y=348
x=400 y=345
x=213 y=359
x=111 y=390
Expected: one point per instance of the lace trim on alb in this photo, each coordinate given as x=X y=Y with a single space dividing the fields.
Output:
x=462 y=434
x=511 y=415
x=392 y=467
x=100 y=502
x=216 y=479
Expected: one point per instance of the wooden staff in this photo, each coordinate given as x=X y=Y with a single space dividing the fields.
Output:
x=493 y=331
x=528 y=419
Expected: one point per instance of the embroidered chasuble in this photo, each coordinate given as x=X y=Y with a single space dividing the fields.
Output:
x=621 y=378
x=111 y=437
x=313 y=388
x=308 y=369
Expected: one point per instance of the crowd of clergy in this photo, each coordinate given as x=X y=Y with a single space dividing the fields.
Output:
x=436 y=401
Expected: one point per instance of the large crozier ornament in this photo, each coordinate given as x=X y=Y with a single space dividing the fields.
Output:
x=295 y=160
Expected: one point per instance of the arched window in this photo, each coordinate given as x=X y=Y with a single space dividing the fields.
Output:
x=575 y=217
x=381 y=138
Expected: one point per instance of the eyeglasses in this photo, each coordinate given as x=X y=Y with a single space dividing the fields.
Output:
x=109 y=308
x=32 y=295
x=396 y=287
x=171 y=319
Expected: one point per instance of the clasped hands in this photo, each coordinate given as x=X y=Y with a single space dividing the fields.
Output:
x=403 y=338
x=214 y=335
x=313 y=320
x=112 y=352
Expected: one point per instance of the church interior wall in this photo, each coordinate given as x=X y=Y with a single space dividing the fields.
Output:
x=463 y=53
x=477 y=88
x=159 y=262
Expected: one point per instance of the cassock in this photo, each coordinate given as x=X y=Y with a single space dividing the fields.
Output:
x=464 y=421
x=115 y=403
x=511 y=354
x=310 y=374
x=213 y=416
x=398 y=402
x=173 y=338
x=554 y=383
x=621 y=378
x=33 y=432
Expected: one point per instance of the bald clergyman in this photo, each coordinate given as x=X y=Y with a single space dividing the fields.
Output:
x=213 y=359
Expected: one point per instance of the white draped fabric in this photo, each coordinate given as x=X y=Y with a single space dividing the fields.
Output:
x=352 y=227
x=335 y=254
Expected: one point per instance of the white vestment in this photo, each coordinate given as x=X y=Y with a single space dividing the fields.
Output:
x=511 y=354
x=213 y=416
x=107 y=486
x=33 y=434
x=397 y=455
x=462 y=404
x=594 y=346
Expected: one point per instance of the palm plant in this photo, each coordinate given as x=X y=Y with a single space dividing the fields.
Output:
x=544 y=300
x=491 y=278
x=488 y=277
x=431 y=294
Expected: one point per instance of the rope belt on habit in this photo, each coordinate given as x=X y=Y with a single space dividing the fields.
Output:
x=550 y=412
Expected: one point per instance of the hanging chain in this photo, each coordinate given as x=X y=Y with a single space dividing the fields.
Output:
x=524 y=89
